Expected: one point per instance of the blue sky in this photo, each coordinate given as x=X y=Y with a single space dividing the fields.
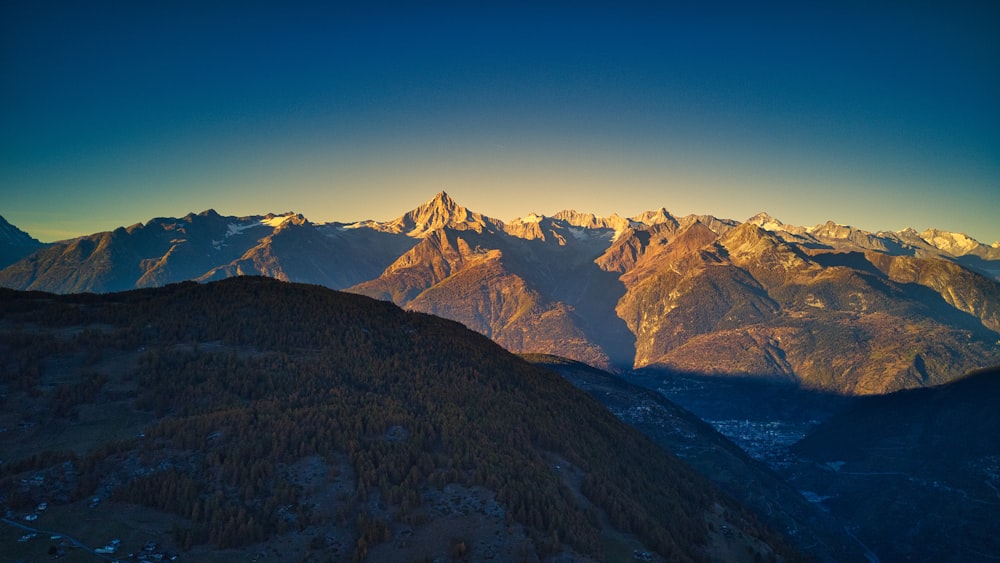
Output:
x=878 y=115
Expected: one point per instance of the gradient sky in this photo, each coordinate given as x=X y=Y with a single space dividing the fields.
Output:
x=877 y=115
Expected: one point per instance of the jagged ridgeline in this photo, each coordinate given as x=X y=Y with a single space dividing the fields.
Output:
x=829 y=307
x=251 y=414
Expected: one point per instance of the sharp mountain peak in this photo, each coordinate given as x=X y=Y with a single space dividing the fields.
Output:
x=766 y=221
x=441 y=211
x=660 y=215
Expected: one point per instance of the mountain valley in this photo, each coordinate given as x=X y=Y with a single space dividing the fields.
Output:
x=907 y=476
x=734 y=465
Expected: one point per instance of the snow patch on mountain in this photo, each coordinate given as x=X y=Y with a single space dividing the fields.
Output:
x=276 y=221
x=584 y=234
x=953 y=243
x=269 y=220
x=530 y=218
x=366 y=224
x=831 y=229
x=766 y=222
x=235 y=229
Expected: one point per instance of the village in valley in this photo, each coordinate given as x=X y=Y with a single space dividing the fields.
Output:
x=33 y=524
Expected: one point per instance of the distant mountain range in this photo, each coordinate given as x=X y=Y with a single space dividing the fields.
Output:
x=830 y=306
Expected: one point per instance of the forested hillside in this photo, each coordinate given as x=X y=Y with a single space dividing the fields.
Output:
x=249 y=414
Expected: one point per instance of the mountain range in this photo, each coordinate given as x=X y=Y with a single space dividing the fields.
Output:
x=829 y=307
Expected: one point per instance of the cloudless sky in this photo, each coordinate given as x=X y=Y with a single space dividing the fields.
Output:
x=880 y=115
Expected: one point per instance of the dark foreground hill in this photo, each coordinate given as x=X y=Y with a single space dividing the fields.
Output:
x=916 y=473
x=252 y=418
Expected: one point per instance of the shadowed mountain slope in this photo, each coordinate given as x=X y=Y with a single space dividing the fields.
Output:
x=917 y=472
x=713 y=455
x=15 y=244
x=253 y=416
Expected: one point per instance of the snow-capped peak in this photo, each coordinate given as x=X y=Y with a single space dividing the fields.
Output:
x=765 y=221
x=269 y=220
x=275 y=220
x=365 y=224
x=953 y=243
x=442 y=211
x=531 y=218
